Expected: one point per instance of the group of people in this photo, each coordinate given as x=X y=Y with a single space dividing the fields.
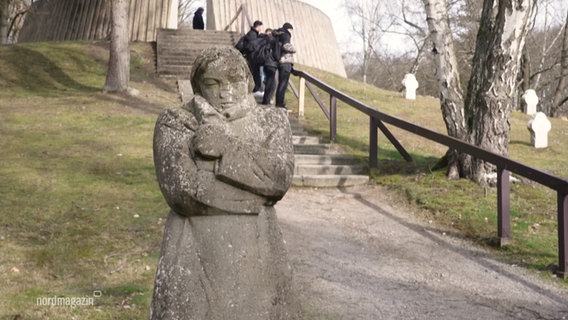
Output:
x=276 y=58
x=268 y=53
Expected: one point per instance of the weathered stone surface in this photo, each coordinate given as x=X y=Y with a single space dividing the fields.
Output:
x=223 y=267
x=222 y=161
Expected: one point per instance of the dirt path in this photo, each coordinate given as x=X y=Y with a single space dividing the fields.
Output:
x=355 y=257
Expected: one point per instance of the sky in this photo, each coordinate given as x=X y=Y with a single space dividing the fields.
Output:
x=339 y=19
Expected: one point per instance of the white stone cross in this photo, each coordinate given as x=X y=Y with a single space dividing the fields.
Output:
x=410 y=85
x=531 y=100
x=539 y=126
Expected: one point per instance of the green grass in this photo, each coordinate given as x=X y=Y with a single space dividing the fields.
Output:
x=77 y=168
x=462 y=205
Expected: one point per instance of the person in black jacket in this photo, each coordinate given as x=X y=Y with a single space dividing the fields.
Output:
x=285 y=63
x=198 y=23
x=271 y=65
x=250 y=41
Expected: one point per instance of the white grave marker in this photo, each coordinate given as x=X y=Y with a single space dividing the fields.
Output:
x=539 y=126
x=410 y=85
x=531 y=100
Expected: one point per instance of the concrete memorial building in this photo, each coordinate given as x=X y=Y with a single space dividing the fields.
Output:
x=313 y=36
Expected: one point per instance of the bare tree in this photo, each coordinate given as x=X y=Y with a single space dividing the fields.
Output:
x=366 y=18
x=451 y=93
x=493 y=83
x=4 y=18
x=118 y=74
x=560 y=96
x=12 y=13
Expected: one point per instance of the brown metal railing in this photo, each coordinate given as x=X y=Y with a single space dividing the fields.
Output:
x=504 y=165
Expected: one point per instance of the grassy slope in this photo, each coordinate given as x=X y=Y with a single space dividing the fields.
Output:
x=461 y=205
x=77 y=169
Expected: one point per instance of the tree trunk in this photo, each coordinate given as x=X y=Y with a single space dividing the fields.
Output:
x=118 y=74
x=4 y=17
x=559 y=95
x=524 y=79
x=451 y=93
x=493 y=83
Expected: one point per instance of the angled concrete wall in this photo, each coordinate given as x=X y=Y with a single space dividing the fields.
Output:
x=59 y=20
x=313 y=33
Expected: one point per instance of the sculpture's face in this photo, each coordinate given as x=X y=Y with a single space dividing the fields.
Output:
x=221 y=76
x=222 y=88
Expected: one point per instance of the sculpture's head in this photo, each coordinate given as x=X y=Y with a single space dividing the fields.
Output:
x=221 y=76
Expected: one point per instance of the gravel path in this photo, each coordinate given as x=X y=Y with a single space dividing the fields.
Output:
x=355 y=257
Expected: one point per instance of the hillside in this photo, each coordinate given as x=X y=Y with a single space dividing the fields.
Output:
x=80 y=209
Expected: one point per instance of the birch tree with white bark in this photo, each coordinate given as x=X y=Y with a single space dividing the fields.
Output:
x=493 y=83
x=449 y=84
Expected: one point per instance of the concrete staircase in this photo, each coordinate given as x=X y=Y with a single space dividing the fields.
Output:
x=320 y=164
x=177 y=49
x=317 y=164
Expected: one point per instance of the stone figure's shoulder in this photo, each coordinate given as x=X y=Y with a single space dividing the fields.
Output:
x=179 y=119
x=272 y=117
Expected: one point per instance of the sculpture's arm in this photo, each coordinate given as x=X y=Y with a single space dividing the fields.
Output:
x=265 y=169
x=176 y=170
x=186 y=176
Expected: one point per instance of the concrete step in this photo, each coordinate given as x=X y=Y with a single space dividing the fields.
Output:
x=329 y=181
x=329 y=159
x=299 y=132
x=328 y=169
x=319 y=148
x=301 y=139
x=177 y=48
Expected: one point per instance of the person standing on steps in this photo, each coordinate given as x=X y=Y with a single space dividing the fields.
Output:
x=271 y=66
x=251 y=39
x=198 y=23
x=285 y=63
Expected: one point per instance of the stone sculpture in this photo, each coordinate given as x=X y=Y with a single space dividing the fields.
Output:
x=410 y=85
x=222 y=162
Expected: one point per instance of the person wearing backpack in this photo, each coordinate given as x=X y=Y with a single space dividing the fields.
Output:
x=285 y=62
x=251 y=40
x=271 y=65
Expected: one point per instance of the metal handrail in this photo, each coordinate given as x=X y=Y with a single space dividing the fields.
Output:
x=504 y=164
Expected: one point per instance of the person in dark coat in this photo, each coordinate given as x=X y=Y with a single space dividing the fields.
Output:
x=198 y=23
x=270 y=66
x=250 y=42
x=285 y=63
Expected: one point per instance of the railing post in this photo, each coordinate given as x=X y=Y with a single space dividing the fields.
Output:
x=373 y=142
x=562 y=235
x=332 y=118
x=301 y=96
x=503 y=207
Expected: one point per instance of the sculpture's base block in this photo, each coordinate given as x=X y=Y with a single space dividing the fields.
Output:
x=223 y=267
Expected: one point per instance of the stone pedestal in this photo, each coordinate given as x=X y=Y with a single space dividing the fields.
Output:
x=223 y=267
x=410 y=85
x=539 y=126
